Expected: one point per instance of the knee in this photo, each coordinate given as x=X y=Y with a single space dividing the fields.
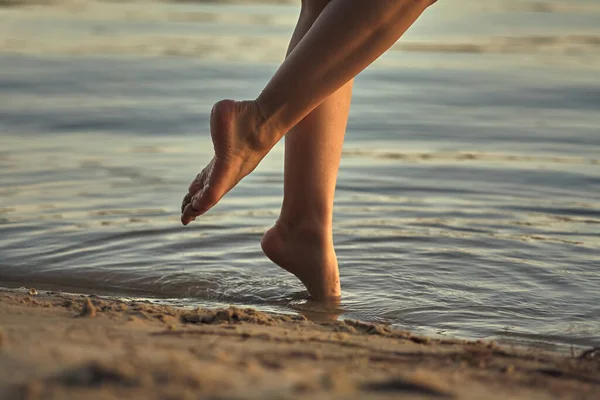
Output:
x=313 y=8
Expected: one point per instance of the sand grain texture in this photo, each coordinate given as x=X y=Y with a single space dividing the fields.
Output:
x=49 y=350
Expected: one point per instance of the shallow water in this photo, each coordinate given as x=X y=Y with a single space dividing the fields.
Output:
x=468 y=202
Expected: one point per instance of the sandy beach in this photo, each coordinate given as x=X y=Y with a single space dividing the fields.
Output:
x=466 y=207
x=467 y=200
x=57 y=346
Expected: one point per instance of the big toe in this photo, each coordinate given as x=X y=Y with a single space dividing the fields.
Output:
x=200 y=204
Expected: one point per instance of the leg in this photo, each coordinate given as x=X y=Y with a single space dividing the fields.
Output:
x=301 y=241
x=347 y=37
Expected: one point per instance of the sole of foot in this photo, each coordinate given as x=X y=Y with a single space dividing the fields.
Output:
x=240 y=140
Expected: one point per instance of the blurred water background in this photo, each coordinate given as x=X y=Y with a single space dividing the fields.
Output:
x=468 y=202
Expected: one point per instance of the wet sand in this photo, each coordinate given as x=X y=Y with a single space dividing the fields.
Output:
x=57 y=346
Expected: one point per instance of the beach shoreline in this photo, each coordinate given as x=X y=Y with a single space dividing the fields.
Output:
x=56 y=345
x=466 y=204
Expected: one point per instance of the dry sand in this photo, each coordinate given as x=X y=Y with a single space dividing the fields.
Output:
x=58 y=346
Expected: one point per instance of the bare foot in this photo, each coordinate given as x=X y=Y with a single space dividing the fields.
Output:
x=309 y=256
x=241 y=140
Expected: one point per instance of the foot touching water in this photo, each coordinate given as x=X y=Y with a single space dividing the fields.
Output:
x=239 y=137
x=306 y=254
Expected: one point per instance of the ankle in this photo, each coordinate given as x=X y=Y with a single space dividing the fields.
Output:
x=254 y=130
x=267 y=131
x=315 y=230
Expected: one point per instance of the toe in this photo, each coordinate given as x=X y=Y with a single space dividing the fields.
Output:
x=200 y=180
x=199 y=204
x=194 y=191
x=186 y=200
x=190 y=211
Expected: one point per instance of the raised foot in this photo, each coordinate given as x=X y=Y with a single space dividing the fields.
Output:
x=310 y=257
x=241 y=140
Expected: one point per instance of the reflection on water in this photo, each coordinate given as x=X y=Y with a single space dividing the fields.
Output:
x=467 y=203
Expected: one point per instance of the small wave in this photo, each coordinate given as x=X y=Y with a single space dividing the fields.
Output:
x=520 y=6
x=23 y=3
x=549 y=6
x=133 y=173
x=563 y=218
x=19 y=3
x=264 y=48
x=467 y=156
x=540 y=238
x=564 y=45
x=148 y=211
x=147 y=149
